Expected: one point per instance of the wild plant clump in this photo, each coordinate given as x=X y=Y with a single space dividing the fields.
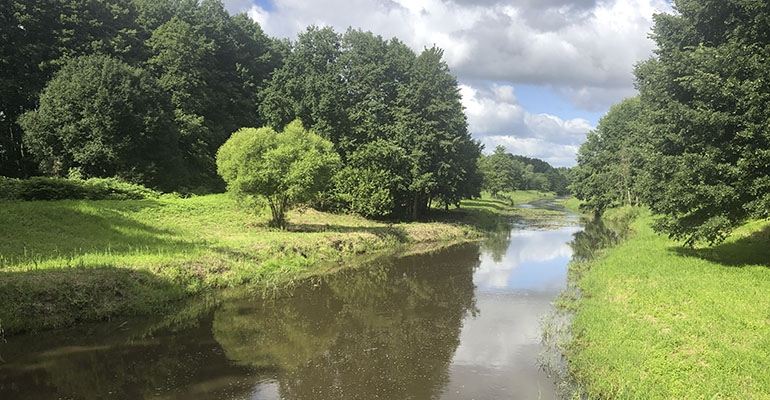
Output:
x=41 y=188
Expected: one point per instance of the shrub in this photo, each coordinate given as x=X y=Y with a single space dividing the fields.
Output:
x=41 y=188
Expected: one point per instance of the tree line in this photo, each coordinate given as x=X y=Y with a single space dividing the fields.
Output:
x=504 y=172
x=694 y=144
x=150 y=90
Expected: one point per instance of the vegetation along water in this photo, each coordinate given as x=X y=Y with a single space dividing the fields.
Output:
x=151 y=150
x=454 y=323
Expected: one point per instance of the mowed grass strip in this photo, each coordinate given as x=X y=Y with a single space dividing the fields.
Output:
x=63 y=262
x=658 y=321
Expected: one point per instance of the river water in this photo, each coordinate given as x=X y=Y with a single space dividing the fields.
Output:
x=462 y=323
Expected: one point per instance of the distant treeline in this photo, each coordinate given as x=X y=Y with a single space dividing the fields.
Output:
x=503 y=172
x=148 y=91
x=694 y=145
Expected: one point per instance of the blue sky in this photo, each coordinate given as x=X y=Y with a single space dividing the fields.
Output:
x=536 y=75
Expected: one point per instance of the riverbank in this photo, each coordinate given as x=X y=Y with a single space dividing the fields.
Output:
x=69 y=261
x=656 y=320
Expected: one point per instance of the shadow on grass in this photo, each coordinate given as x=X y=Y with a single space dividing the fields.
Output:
x=42 y=231
x=753 y=249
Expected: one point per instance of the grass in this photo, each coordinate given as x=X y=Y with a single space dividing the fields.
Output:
x=67 y=261
x=658 y=321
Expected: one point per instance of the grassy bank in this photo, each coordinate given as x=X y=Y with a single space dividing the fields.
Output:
x=67 y=261
x=658 y=321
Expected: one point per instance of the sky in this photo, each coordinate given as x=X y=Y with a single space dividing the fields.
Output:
x=535 y=75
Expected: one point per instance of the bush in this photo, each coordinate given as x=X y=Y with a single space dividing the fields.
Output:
x=40 y=188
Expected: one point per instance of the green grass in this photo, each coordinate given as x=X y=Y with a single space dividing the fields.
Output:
x=658 y=321
x=524 y=196
x=573 y=204
x=62 y=262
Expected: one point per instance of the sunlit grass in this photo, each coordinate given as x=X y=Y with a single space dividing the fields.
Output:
x=658 y=321
x=68 y=261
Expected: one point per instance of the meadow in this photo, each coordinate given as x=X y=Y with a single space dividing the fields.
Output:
x=656 y=320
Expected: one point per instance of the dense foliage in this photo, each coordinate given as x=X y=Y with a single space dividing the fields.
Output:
x=101 y=117
x=394 y=117
x=212 y=65
x=697 y=147
x=41 y=188
x=610 y=161
x=149 y=90
x=504 y=172
x=285 y=168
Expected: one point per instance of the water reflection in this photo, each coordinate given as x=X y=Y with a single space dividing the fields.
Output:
x=534 y=259
x=499 y=346
x=595 y=236
x=460 y=323
x=384 y=332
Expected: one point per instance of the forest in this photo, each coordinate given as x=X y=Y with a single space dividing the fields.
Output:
x=148 y=91
x=694 y=144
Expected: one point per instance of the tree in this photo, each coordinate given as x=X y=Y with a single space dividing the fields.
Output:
x=431 y=124
x=101 y=117
x=501 y=173
x=38 y=37
x=707 y=89
x=373 y=179
x=356 y=89
x=285 y=168
x=611 y=160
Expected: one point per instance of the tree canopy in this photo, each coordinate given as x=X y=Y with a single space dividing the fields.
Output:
x=394 y=117
x=504 y=172
x=285 y=168
x=357 y=90
x=101 y=117
x=212 y=64
x=701 y=147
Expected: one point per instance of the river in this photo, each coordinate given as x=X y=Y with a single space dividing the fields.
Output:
x=461 y=323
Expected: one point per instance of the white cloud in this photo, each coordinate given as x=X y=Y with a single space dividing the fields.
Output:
x=496 y=117
x=577 y=45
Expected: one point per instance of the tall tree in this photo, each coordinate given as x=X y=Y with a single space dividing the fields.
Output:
x=431 y=124
x=612 y=159
x=36 y=39
x=357 y=89
x=309 y=86
x=708 y=88
x=501 y=173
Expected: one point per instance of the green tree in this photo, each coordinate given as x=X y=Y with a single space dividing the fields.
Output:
x=38 y=37
x=215 y=67
x=372 y=181
x=431 y=124
x=707 y=88
x=309 y=87
x=101 y=117
x=285 y=168
x=612 y=159
x=501 y=173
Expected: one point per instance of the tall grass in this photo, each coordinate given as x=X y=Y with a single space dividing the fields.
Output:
x=659 y=321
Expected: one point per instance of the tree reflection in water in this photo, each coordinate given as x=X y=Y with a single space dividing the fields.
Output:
x=386 y=331
x=595 y=236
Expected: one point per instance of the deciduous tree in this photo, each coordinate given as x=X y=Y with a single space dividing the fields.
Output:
x=285 y=168
x=101 y=117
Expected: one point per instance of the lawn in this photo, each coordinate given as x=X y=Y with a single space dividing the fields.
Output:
x=659 y=321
